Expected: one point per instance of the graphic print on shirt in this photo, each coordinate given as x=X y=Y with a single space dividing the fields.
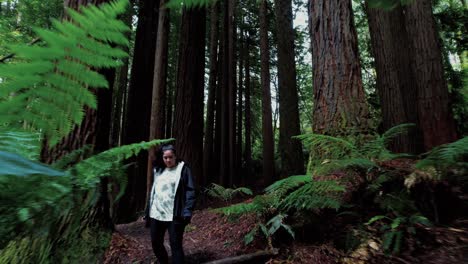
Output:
x=165 y=184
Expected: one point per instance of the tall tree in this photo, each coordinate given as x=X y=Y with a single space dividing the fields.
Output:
x=158 y=104
x=396 y=84
x=248 y=113
x=267 y=129
x=188 y=118
x=231 y=48
x=434 y=112
x=292 y=160
x=137 y=118
x=339 y=99
x=208 y=151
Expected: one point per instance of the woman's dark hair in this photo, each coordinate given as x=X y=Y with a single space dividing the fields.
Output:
x=158 y=161
x=168 y=147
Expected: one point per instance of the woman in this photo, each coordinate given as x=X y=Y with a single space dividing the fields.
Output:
x=170 y=204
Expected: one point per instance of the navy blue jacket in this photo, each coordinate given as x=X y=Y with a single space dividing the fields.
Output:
x=184 y=200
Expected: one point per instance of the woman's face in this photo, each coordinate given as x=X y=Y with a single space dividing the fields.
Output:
x=169 y=158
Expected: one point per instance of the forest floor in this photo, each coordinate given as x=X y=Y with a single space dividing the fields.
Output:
x=211 y=236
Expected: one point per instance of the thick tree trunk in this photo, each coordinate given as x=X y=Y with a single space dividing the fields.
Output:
x=434 y=112
x=242 y=56
x=248 y=115
x=208 y=151
x=339 y=100
x=188 y=118
x=232 y=93
x=224 y=102
x=395 y=82
x=218 y=156
x=267 y=130
x=292 y=160
x=158 y=105
x=137 y=118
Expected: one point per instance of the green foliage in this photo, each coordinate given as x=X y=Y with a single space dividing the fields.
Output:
x=387 y=4
x=329 y=153
x=24 y=211
x=446 y=155
x=314 y=195
x=189 y=3
x=226 y=194
x=24 y=143
x=269 y=229
x=395 y=230
x=284 y=186
x=64 y=66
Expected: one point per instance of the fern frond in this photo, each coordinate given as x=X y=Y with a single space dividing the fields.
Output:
x=65 y=66
x=334 y=165
x=105 y=163
x=314 y=195
x=72 y=157
x=282 y=187
x=24 y=143
x=446 y=155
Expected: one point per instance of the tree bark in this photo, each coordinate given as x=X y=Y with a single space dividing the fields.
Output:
x=267 y=129
x=137 y=118
x=158 y=104
x=339 y=101
x=232 y=92
x=242 y=57
x=396 y=84
x=188 y=118
x=248 y=115
x=224 y=173
x=208 y=151
x=434 y=111
x=292 y=160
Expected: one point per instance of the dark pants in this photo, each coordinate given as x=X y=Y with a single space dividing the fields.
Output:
x=176 y=233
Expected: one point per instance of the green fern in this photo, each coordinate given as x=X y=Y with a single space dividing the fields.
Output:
x=335 y=165
x=73 y=157
x=24 y=143
x=105 y=163
x=446 y=155
x=282 y=187
x=226 y=194
x=314 y=195
x=65 y=67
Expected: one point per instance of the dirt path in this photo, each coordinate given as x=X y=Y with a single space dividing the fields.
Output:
x=208 y=237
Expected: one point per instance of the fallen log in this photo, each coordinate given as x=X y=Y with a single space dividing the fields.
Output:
x=256 y=256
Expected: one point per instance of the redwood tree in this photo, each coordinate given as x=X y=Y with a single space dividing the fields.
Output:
x=188 y=118
x=435 y=118
x=395 y=82
x=267 y=129
x=339 y=99
x=158 y=104
x=137 y=117
x=292 y=160
x=208 y=150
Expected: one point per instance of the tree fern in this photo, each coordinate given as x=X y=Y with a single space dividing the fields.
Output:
x=47 y=87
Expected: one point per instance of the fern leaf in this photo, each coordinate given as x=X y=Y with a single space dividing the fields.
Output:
x=66 y=64
x=283 y=186
x=445 y=155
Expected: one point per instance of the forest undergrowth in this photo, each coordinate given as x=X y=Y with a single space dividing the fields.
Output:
x=374 y=207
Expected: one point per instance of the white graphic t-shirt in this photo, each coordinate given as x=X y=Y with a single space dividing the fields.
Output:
x=163 y=193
